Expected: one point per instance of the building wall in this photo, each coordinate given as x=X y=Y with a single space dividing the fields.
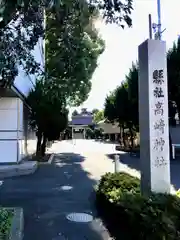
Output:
x=109 y=128
x=78 y=136
x=16 y=139
x=82 y=120
x=11 y=131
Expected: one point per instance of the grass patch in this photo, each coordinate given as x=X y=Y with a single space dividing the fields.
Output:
x=6 y=216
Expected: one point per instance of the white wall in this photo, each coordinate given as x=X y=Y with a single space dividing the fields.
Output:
x=10 y=129
x=109 y=128
x=16 y=139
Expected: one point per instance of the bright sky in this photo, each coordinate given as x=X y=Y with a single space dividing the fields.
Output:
x=122 y=46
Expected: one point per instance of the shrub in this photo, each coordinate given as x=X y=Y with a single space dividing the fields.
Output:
x=5 y=222
x=126 y=212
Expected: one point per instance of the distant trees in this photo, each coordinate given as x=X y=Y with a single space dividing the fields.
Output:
x=98 y=115
x=121 y=105
x=173 y=66
x=75 y=113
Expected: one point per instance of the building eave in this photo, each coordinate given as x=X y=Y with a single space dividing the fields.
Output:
x=13 y=91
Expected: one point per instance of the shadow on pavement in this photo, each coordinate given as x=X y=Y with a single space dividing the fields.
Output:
x=47 y=200
x=133 y=162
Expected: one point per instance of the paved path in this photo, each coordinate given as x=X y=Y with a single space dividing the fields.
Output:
x=46 y=203
x=78 y=165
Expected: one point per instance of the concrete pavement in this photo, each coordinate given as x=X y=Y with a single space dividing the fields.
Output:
x=64 y=187
x=24 y=168
x=56 y=190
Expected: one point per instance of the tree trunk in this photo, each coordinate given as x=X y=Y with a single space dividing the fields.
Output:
x=43 y=146
x=131 y=137
x=39 y=140
x=123 y=133
x=120 y=138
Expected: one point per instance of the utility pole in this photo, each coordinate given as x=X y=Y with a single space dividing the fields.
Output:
x=157 y=27
x=159 y=18
x=150 y=27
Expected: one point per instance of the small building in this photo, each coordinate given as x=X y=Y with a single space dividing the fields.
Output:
x=80 y=122
x=111 y=131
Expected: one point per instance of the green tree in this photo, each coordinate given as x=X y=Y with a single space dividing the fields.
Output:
x=17 y=40
x=94 y=111
x=48 y=116
x=123 y=107
x=117 y=11
x=173 y=70
x=72 y=49
x=21 y=26
x=75 y=113
x=113 y=112
x=173 y=67
x=90 y=133
x=109 y=107
x=98 y=116
x=133 y=96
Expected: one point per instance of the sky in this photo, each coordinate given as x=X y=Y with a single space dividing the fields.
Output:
x=122 y=46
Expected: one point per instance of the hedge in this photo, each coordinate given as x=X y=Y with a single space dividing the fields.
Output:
x=6 y=216
x=129 y=215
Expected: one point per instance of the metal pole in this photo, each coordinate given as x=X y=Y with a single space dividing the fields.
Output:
x=150 y=27
x=159 y=18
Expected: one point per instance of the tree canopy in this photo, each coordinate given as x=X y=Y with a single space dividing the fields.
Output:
x=117 y=11
x=48 y=116
x=72 y=48
x=21 y=25
x=98 y=116
x=173 y=66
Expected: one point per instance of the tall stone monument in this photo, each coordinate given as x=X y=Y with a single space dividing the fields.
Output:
x=153 y=117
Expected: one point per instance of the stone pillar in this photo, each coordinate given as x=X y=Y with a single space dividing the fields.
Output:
x=153 y=117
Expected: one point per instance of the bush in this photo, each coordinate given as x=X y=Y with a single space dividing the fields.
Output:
x=5 y=222
x=130 y=215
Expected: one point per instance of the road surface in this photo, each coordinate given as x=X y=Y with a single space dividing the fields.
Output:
x=61 y=188
x=66 y=187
